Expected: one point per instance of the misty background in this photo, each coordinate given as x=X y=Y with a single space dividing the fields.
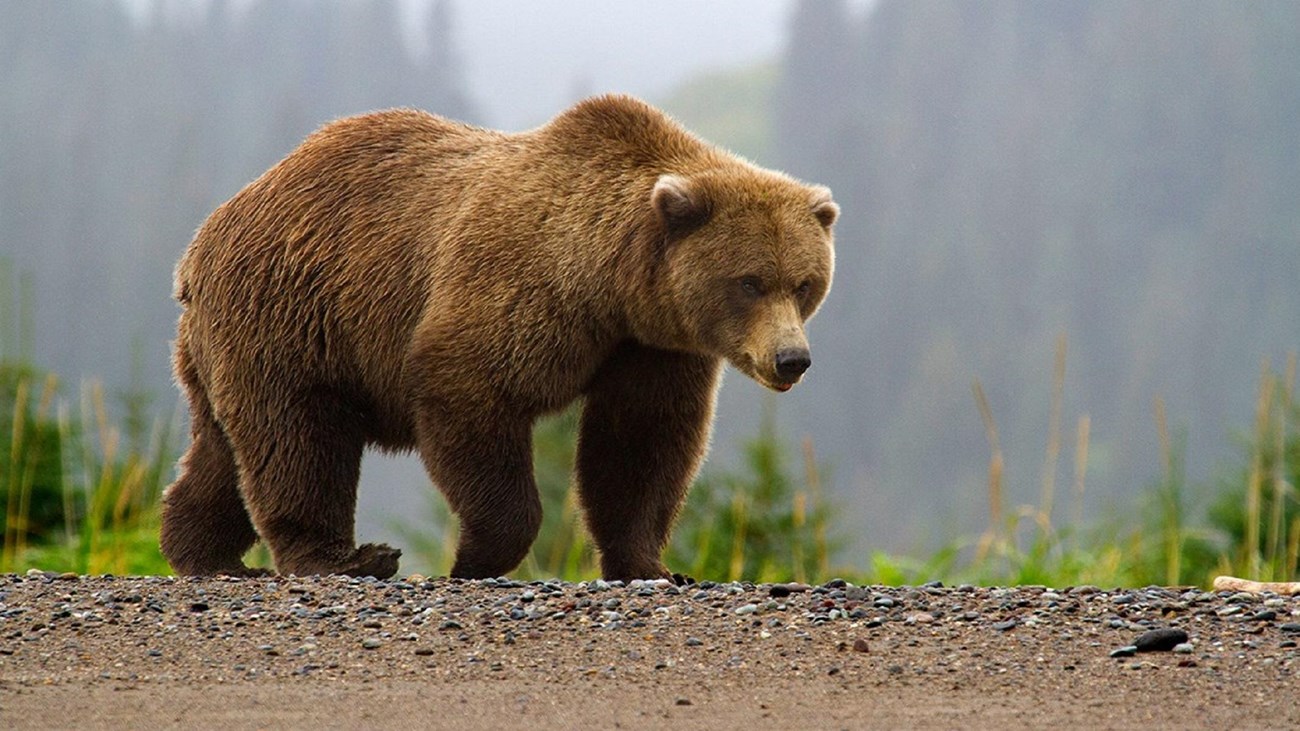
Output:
x=1125 y=174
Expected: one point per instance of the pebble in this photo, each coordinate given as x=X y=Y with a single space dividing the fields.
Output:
x=1004 y=626
x=860 y=645
x=693 y=642
x=1160 y=640
x=1290 y=627
x=1126 y=651
x=372 y=643
x=746 y=609
x=1184 y=648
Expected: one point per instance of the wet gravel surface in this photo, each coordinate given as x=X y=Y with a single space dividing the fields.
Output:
x=337 y=652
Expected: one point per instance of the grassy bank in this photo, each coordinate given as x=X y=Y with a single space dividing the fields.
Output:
x=81 y=480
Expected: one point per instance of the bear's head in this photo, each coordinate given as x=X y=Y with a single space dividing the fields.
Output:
x=748 y=258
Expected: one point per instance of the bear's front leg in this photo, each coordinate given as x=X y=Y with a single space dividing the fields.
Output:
x=645 y=430
x=483 y=464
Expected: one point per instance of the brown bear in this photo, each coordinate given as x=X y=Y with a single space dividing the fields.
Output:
x=405 y=281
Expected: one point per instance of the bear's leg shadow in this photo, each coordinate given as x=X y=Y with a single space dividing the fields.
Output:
x=205 y=528
x=645 y=429
x=484 y=467
x=299 y=472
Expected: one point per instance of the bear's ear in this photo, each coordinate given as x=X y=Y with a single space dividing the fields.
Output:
x=824 y=208
x=680 y=204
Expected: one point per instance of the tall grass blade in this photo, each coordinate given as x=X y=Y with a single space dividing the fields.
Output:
x=1048 y=495
x=1080 y=474
x=993 y=534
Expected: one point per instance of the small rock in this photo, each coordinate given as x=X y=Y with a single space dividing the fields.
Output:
x=1004 y=626
x=1184 y=648
x=860 y=645
x=1160 y=640
x=683 y=702
x=372 y=643
x=424 y=651
x=1126 y=651
x=779 y=591
x=746 y=609
x=1290 y=627
x=199 y=607
x=693 y=642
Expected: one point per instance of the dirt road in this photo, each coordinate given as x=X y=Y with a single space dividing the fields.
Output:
x=116 y=653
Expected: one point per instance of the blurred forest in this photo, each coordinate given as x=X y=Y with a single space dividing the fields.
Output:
x=1124 y=173
x=119 y=136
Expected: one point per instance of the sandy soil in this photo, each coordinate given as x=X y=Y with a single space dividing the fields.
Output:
x=113 y=653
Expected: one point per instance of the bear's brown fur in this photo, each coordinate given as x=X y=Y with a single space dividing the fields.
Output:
x=405 y=281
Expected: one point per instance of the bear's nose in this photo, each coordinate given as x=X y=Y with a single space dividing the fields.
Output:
x=792 y=362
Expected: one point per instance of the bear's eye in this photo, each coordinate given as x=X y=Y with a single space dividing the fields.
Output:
x=802 y=290
x=753 y=286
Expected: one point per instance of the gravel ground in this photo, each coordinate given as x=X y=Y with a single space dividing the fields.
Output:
x=333 y=652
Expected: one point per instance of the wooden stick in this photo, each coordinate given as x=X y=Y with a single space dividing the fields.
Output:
x=1232 y=583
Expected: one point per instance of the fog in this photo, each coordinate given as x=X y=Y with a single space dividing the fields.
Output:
x=1122 y=177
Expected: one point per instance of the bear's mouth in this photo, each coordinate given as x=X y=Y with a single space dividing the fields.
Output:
x=747 y=366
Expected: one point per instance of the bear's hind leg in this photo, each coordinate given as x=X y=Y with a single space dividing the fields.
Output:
x=299 y=474
x=645 y=429
x=205 y=528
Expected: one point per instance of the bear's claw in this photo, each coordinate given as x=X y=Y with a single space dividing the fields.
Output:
x=245 y=572
x=372 y=559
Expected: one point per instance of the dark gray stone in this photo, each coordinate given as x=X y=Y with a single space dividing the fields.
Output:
x=1160 y=640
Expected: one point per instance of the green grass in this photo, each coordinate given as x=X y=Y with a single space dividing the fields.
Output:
x=102 y=487
x=80 y=486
